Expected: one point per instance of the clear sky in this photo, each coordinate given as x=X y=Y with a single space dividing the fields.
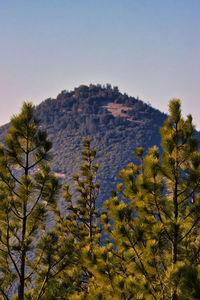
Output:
x=148 y=48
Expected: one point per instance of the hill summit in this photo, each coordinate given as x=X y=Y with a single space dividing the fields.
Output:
x=116 y=124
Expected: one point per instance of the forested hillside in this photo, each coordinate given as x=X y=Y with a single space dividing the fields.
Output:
x=116 y=124
x=143 y=244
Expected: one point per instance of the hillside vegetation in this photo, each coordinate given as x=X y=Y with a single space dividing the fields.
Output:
x=115 y=123
x=143 y=243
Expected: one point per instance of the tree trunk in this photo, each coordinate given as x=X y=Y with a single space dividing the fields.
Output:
x=22 y=261
x=23 y=233
x=174 y=295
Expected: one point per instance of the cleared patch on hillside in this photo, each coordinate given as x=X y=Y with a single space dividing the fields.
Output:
x=117 y=109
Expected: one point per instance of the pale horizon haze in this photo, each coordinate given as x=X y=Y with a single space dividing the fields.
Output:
x=149 y=49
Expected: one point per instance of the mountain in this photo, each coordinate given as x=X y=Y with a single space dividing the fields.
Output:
x=116 y=124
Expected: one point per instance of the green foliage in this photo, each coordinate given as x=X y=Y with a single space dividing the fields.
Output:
x=27 y=190
x=83 y=214
x=143 y=245
x=155 y=218
x=82 y=113
x=77 y=234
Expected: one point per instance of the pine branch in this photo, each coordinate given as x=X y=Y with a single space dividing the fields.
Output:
x=4 y=294
x=42 y=290
x=14 y=177
x=159 y=214
x=37 y=200
x=8 y=185
x=143 y=269
x=189 y=231
x=190 y=194
x=9 y=252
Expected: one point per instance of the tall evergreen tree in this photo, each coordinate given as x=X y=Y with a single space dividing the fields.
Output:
x=77 y=234
x=82 y=220
x=83 y=212
x=27 y=189
x=155 y=217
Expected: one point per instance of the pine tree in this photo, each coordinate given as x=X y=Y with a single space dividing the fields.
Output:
x=56 y=257
x=84 y=212
x=83 y=218
x=27 y=189
x=77 y=233
x=155 y=218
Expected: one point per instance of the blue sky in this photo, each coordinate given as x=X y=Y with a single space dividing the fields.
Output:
x=148 y=48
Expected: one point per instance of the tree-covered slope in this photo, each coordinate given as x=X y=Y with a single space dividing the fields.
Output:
x=115 y=123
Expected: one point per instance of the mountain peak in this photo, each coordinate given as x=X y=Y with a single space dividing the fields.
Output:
x=115 y=123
